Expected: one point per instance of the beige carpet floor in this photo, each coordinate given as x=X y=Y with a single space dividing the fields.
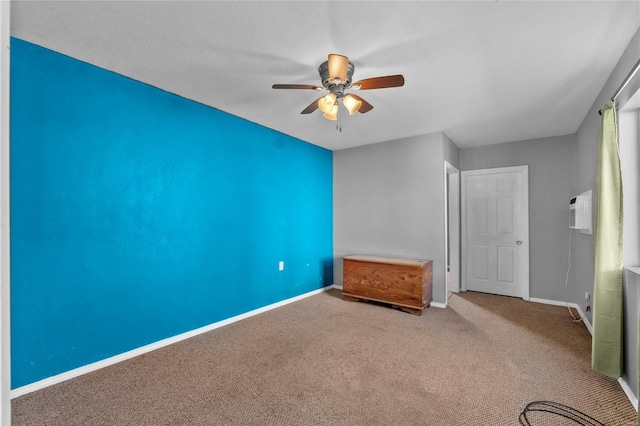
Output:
x=325 y=361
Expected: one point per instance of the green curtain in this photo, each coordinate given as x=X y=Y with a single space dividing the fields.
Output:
x=606 y=355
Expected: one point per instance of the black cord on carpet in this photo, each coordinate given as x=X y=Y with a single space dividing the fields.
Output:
x=542 y=412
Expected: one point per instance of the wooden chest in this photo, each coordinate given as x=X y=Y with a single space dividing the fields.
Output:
x=403 y=283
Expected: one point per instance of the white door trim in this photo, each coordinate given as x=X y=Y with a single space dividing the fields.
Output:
x=524 y=271
x=452 y=245
x=5 y=241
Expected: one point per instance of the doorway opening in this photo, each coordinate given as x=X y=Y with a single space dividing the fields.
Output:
x=451 y=229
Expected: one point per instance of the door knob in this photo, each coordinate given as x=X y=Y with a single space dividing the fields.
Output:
x=518 y=242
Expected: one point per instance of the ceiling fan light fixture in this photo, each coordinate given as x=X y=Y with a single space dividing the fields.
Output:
x=352 y=104
x=327 y=103
x=333 y=114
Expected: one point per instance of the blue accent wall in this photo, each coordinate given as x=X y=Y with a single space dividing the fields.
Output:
x=137 y=215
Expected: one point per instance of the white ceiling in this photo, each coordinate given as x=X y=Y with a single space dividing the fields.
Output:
x=482 y=72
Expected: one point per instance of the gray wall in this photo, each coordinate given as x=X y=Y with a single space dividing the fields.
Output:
x=552 y=182
x=587 y=139
x=388 y=200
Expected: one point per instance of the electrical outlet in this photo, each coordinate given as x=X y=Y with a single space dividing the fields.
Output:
x=281 y=265
x=587 y=295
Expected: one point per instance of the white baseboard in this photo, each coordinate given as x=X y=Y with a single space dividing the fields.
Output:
x=623 y=383
x=571 y=305
x=584 y=319
x=627 y=390
x=552 y=302
x=59 y=378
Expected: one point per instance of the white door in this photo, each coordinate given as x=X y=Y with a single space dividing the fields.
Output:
x=495 y=231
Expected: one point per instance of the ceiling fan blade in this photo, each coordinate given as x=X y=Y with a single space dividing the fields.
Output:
x=338 y=66
x=297 y=86
x=380 y=82
x=365 y=107
x=312 y=107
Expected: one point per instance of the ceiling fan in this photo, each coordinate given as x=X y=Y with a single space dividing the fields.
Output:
x=336 y=74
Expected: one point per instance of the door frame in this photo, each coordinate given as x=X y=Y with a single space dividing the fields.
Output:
x=452 y=245
x=5 y=242
x=524 y=270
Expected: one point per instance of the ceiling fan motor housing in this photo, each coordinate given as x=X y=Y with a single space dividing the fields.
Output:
x=335 y=85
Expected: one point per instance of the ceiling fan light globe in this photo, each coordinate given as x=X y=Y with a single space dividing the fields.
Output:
x=327 y=103
x=338 y=65
x=352 y=104
x=333 y=114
